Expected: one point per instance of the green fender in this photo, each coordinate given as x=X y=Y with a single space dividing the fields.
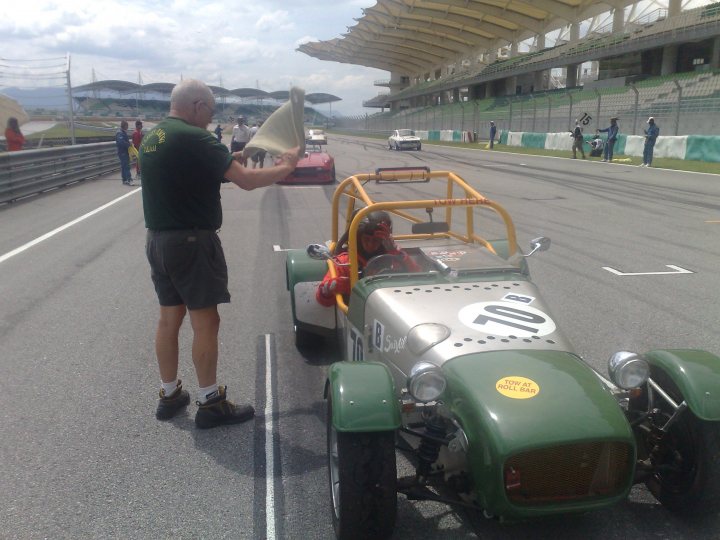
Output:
x=697 y=375
x=301 y=274
x=363 y=397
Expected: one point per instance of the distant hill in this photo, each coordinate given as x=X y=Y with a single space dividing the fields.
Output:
x=38 y=98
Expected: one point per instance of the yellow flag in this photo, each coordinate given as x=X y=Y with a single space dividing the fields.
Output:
x=132 y=151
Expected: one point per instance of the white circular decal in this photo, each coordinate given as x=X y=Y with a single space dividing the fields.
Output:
x=506 y=319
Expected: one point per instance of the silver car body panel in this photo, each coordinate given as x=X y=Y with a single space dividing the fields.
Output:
x=482 y=316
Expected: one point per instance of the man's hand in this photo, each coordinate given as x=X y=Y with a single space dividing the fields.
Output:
x=336 y=285
x=289 y=158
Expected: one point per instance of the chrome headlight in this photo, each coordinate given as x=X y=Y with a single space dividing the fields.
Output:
x=426 y=382
x=628 y=370
x=424 y=336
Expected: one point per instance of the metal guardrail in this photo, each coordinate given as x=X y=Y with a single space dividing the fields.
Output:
x=29 y=172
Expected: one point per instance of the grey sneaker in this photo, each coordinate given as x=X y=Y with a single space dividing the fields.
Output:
x=169 y=406
x=218 y=411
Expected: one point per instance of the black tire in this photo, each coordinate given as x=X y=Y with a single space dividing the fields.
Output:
x=333 y=177
x=687 y=479
x=390 y=146
x=307 y=340
x=419 y=147
x=363 y=482
x=397 y=147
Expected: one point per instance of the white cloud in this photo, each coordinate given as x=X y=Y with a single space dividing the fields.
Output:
x=162 y=40
x=275 y=21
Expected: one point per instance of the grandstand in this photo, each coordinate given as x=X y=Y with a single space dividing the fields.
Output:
x=109 y=99
x=652 y=59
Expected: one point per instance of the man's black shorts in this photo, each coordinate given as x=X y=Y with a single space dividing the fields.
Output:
x=188 y=267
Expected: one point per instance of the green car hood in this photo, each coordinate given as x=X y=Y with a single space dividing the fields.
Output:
x=524 y=399
x=514 y=401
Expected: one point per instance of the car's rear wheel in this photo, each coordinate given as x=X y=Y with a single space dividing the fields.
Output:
x=419 y=147
x=363 y=481
x=333 y=176
x=686 y=461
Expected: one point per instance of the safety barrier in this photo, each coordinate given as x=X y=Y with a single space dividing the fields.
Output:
x=690 y=147
x=451 y=135
x=34 y=171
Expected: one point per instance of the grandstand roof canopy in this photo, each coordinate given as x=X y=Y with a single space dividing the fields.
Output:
x=411 y=36
x=126 y=87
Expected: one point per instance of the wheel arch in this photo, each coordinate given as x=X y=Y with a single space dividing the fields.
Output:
x=696 y=374
x=363 y=395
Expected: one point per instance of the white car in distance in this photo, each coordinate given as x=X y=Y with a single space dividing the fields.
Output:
x=404 y=139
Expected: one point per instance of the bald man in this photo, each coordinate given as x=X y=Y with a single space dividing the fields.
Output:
x=183 y=166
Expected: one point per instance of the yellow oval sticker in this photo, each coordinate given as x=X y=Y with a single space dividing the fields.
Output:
x=517 y=387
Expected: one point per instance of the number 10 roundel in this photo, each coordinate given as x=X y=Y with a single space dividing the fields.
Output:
x=506 y=319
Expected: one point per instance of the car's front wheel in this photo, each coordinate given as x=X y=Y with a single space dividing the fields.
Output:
x=686 y=459
x=363 y=480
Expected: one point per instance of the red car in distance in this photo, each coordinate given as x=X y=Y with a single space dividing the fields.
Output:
x=316 y=167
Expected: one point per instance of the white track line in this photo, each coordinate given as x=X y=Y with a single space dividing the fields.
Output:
x=269 y=446
x=45 y=236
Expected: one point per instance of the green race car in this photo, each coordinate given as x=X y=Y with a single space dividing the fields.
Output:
x=461 y=367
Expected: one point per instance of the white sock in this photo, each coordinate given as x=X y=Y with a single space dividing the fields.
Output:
x=169 y=387
x=207 y=392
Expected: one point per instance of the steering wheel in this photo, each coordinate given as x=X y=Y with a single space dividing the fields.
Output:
x=385 y=264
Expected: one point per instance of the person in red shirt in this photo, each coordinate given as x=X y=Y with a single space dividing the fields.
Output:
x=13 y=136
x=137 y=137
x=374 y=239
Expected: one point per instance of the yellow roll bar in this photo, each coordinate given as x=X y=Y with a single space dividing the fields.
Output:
x=352 y=189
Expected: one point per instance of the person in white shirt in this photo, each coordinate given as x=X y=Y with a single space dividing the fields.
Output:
x=241 y=135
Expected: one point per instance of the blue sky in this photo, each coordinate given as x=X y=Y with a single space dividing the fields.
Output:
x=233 y=44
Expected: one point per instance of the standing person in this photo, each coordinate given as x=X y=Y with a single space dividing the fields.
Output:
x=651 y=135
x=577 y=136
x=218 y=133
x=240 y=136
x=258 y=158
x=493 y=132
x=123 y=143
x=14 y=139
x=612 y=133
x=183 y=167
x=137 y=137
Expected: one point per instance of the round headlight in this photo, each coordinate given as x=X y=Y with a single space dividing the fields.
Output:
x=628 y=370
x=426 y=382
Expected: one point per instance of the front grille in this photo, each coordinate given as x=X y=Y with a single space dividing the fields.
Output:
x=309 y=171
x=568 y=473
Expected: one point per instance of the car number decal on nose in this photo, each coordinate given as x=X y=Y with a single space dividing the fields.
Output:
x=506 y=319
x=516 y=387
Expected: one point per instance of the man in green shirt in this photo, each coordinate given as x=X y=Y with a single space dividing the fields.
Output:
x=183 y=166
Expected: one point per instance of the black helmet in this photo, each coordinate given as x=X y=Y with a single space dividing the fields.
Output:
x=372 y=221
x=368 y=225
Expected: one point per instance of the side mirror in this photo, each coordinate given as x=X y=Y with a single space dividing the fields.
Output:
x=539 y=244
x=318 y=252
